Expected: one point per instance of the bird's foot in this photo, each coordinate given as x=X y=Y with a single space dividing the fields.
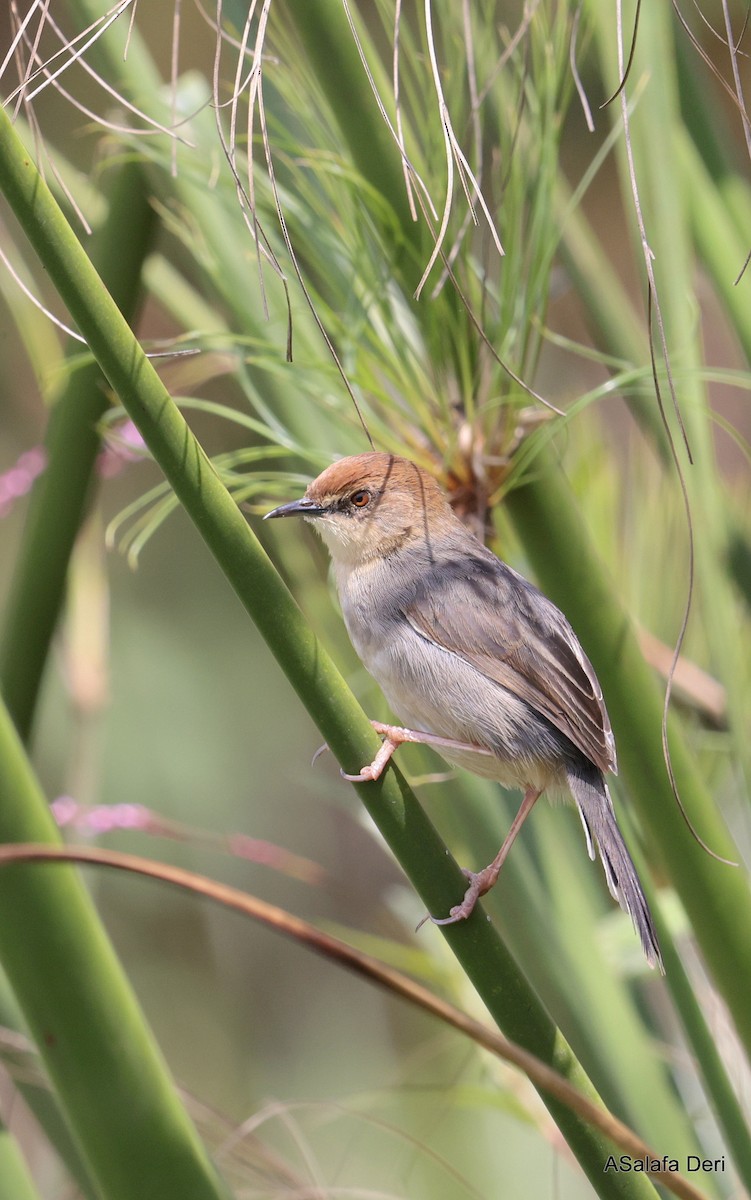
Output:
x=393 y=737
x=480 y=882
x=375 y=769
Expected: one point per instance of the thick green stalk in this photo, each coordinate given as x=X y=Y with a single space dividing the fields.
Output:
x=330 y=51
x=716 y=897
x=15 y=1180
x=340 y=719
x=712 y=126
x=722 y=248
x=34 y=1088
x=656 y=138
x=611 y=315
x=96 y=1047
x=116 y=1092
x=72 y=443
x=323 y=28
x=60 y=499
x=703 y=1041
x=546 y=908
x=610 y=312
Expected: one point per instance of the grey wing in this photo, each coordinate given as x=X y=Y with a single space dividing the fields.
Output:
x=492 y=617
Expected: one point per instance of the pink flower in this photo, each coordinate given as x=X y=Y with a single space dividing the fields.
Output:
x=123 y=445
x=17 y=481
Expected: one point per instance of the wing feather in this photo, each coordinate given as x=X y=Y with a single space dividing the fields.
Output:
x=505 y=628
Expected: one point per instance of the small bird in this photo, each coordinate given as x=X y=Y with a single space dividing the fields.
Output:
x=472 y=657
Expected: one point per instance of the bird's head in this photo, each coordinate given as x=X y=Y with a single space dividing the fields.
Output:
x=370 y=505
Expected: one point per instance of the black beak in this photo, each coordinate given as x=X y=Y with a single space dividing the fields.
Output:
x=296 y=508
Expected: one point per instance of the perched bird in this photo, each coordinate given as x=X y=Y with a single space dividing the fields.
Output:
x=472 y=657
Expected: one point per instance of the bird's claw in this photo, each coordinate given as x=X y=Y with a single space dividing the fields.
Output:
x=366 y=775
x=393 y=737
x=321 y=750
x=374 y=770
x=477 y=887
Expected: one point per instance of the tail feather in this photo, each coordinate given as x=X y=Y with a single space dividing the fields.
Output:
x=592 y=797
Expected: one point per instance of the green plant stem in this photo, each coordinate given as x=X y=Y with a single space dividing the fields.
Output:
x=610 y=312
x=114 y=1087
x=553 y=932
x=715 y=896
x=703 y=1042
x=394 y=981
x=37 y=1095
x=329 y=48
x=390 y=802
x=721 y=246
x=72 y=443
x=59 y=503
x=15 y=1180
x=74 y=996
x=656 y=140
x=613 y=320
x=325 y=33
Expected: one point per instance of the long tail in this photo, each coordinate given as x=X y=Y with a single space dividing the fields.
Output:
x=592 y=797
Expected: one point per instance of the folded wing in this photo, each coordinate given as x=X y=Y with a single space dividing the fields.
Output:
x=487 y=614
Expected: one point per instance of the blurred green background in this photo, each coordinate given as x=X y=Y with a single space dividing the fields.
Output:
x=159 y=691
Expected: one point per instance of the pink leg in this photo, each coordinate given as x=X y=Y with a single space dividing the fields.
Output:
x=482 y=881
x=393 y=737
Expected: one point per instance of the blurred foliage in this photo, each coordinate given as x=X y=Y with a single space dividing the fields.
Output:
x=161 y=694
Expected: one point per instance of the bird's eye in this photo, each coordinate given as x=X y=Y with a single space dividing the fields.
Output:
x=360 y=499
